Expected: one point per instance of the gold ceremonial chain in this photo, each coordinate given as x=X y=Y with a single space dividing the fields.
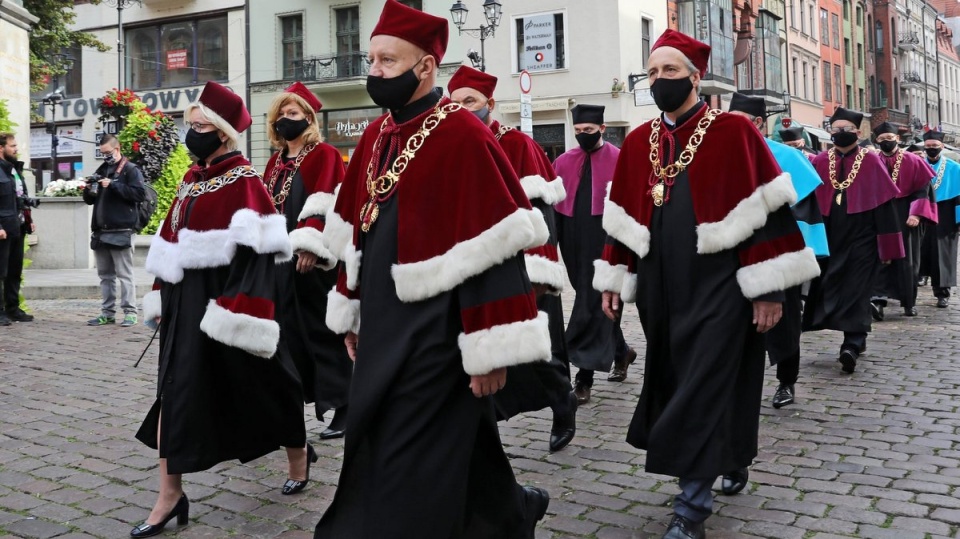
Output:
x=503 y=131
x=850 y=177
x=896 y=167
x=943 y=168
x=195 y=189
x=380 y=187
x=659 y=190
x=280 y=197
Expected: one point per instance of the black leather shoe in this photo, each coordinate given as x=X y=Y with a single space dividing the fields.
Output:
x=4 y=321
x=942 y=303
x=19 y=316
x=582 y=393
x=338 y=425
x=734 y=482
x=620 y=366
x=848 y=360
x=876 y=311
x=683 y=528
x=292 y=486
x=536 y=502
x=564 y=425
x=181 y=511
x=783 y=396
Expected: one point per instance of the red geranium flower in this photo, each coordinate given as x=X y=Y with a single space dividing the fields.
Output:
x=136 y=146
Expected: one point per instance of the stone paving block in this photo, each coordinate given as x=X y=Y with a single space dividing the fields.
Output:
x=749 y=514
x=36 y=529
x=770 y=529
x=569 y=525
x=873 y=532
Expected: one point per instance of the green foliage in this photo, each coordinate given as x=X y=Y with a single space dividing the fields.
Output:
x=166 y=185
x=23 y=276
x=51 y=35
x=5 y=123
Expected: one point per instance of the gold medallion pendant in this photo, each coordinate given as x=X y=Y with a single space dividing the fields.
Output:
x=657 y=193
x=368 y=215
x=839 y=197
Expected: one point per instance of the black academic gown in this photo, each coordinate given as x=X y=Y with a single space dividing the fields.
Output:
x=939 y=254
x=898 y=279
x=422 y=456
x=319 y=354
x=840 y=298
x=699 y=408
x=593 y=340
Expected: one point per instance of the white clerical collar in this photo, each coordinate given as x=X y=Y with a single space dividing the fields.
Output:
x=668 y=121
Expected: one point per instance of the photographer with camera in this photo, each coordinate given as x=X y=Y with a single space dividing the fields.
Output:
x=15 y=224
x=114 y=190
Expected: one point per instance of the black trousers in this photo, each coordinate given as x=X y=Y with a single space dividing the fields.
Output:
x=854 y=340
x=11 y=270
x=788 y=369
x=941 y=292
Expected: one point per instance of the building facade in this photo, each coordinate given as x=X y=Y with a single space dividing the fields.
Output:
x=324 y=44
x=804 y=37
x=169 y=53
x=15 y=24
x=949 y=66
x=833 y=73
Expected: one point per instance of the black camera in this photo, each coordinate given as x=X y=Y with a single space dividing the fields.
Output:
x=25 y=202
x=93 y=183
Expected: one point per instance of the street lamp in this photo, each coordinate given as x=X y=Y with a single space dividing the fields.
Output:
x=120 y=5
x=781 y=109
x=491 y=12
x=65 y=62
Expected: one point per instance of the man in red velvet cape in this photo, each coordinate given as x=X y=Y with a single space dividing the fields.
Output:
x=538 y=385
x=863 y=229
x=706 y=250
x=430 y=226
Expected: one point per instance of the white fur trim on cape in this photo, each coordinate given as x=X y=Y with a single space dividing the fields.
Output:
x=337 y=234
x=521 y=230
x=748 y=216
x=317 y=205
x=257 y=336
x=505 y=345
x=310 y=239
x=544 y=271
x=780 y=273
x=608 y=278
x=626 y=229
x=343 y=313
x=538 y=187
x=628 y=293
x=266 y=234
x=151 y=305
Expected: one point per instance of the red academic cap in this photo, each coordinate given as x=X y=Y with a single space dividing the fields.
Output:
x=227 y=105
x=422 y=29
x=468 y=77
x=696 y=51
x=299 y=89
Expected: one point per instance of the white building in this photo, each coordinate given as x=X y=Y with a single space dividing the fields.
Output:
x=171 y=50
x=15 y=25
x=323 y=43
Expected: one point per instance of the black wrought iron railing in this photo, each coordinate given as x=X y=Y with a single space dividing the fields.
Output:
x=331 y=67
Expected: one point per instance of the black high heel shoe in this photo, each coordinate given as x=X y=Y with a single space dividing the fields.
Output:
x=181 y=511
x=292 y=486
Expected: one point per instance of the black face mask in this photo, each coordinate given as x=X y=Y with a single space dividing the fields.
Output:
x=202 y=145
x=669 y=94
x=933 y=153
x=393 y=94
x=844 y=139
x=290 y=129
x=109 y=159
x=888 y=146
x=588 y=141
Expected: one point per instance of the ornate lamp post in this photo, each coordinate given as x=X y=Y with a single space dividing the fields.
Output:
x=121 y=53
x=53 y=99
x=492 y=13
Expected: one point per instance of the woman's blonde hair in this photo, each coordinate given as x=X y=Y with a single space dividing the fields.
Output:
x=233 y=138
x=310 y=136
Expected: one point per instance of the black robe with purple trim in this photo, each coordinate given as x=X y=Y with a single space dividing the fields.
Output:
x=227 y=387
x=862 y=231
x=724 y=238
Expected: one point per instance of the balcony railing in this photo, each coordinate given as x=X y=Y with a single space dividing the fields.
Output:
x=331 y=67
x=911 y=79
x=908 y=41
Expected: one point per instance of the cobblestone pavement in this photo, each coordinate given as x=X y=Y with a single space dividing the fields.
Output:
x=869 y=455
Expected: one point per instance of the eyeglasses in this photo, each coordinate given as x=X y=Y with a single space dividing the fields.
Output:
x=198 y=126
x=835 y=130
